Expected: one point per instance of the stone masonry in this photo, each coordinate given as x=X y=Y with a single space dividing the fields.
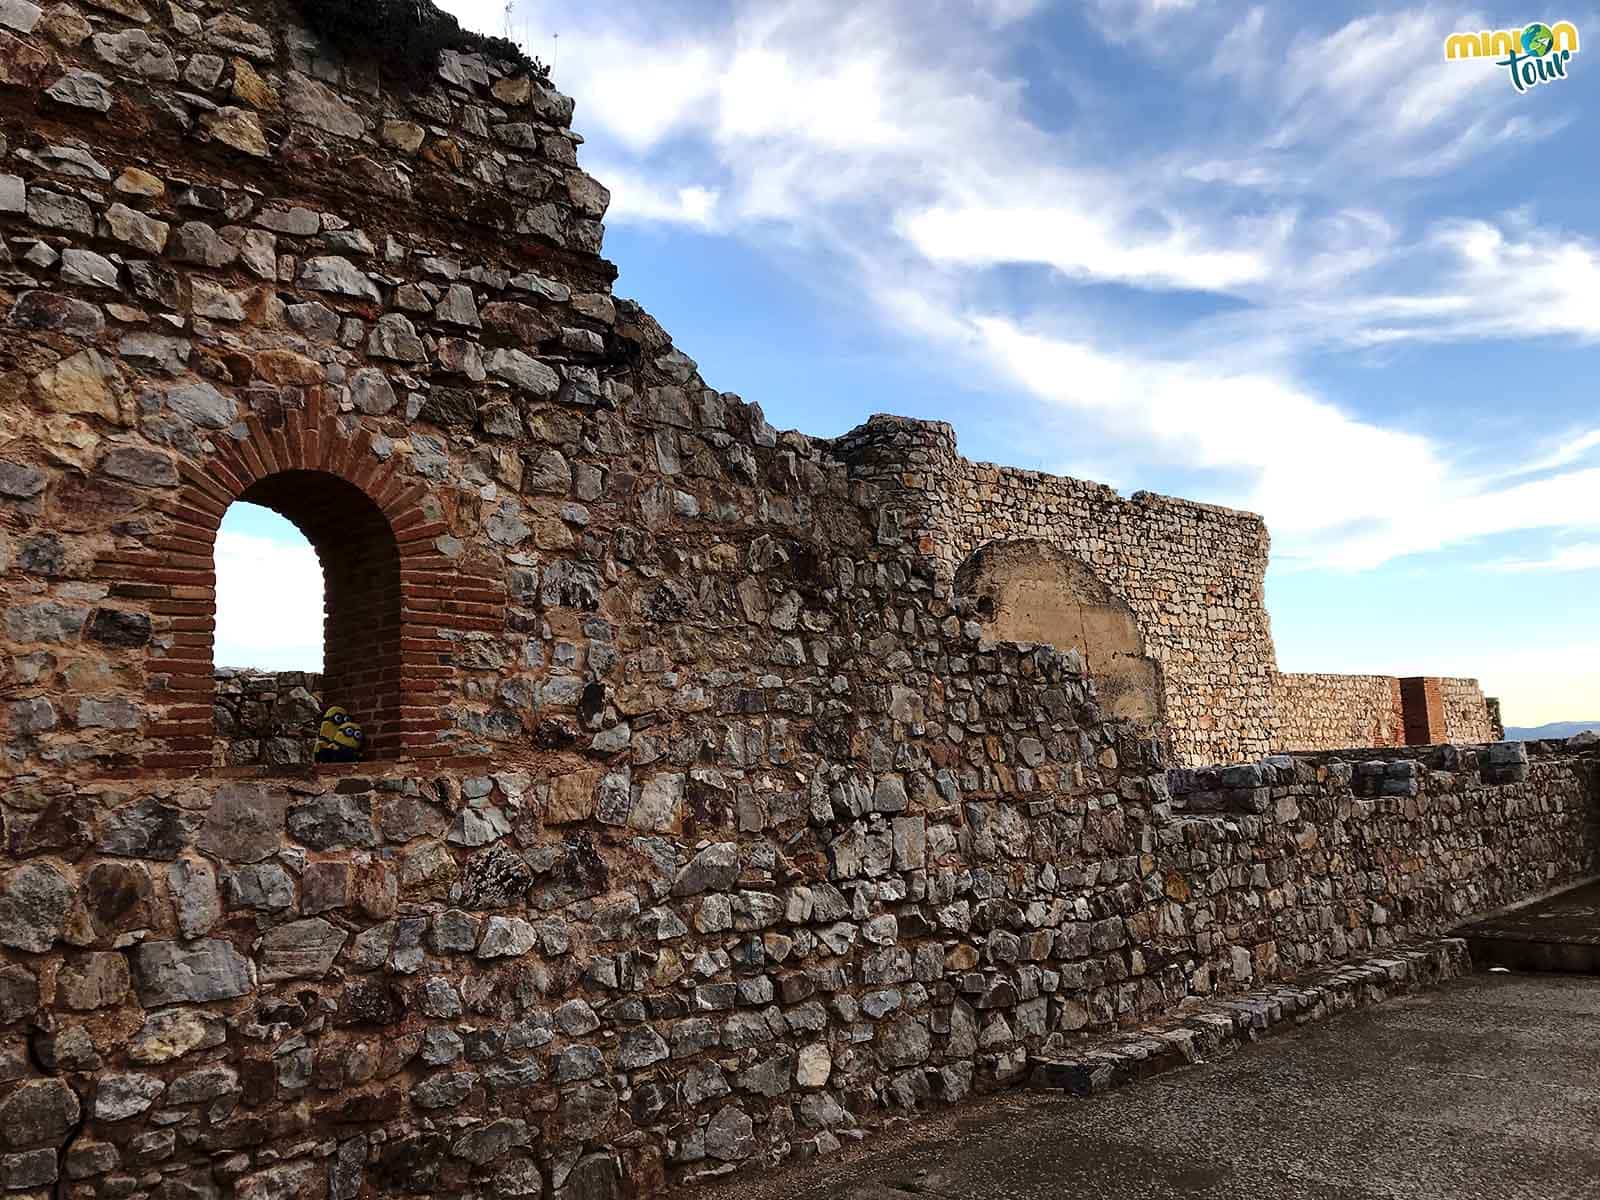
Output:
x=1331 y=712
x=267 y=718
x=704 y=827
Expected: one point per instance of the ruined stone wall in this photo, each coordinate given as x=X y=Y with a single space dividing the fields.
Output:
x=705 y=827
x=1192 y=573
x=1334 y=712
x=1331 y=712
x=1027 y=591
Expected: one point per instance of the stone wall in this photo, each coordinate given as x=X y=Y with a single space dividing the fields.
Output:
x=1333 y=712
x=1030 y=592
x=1192 y=573
x=266 y=718
x=705 y=827
x=1468 y=716
x=1330 y=712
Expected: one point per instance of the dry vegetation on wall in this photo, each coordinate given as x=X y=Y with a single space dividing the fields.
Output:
x=407 y=36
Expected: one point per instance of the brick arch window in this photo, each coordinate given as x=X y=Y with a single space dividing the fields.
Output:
x=393 y=601
x=360 y=560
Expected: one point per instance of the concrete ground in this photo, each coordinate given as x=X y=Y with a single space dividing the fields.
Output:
x=1488 y=1087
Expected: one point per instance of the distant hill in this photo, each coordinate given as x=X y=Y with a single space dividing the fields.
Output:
x=1556 y=729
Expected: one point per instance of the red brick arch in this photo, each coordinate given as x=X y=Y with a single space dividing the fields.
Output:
x=390 y=596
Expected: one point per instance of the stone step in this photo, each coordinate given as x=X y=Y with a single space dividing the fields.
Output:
x=1556 y=933
x=1216 y=1027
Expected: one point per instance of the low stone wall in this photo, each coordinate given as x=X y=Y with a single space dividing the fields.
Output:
x=266 y=718
x=483 y=982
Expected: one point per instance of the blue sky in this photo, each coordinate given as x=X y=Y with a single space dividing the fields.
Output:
x=1285 y=258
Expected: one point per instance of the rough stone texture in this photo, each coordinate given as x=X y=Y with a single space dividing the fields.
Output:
x=1334 y=712
x=1032 y=592
x=703 y=821
x=1192 y=573
x=1468 y=717
x=1331 y=712
x=268 y=718
x=1061 y=559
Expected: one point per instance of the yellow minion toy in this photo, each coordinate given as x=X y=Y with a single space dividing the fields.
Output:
x=340 y=738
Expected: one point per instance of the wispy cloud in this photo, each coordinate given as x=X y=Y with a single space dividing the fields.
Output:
x=1089 y=245
x=1584 y=556
x=637 y=198
x=1000 y=13
x=1122 y=21
x=1568 y=450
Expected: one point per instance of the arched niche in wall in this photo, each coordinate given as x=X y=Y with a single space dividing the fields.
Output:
x=1029 y=591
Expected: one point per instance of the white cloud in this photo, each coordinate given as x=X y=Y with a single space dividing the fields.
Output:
x=1130 y=20
x=640 y=92
x=1242 y=173
x=1468 y=280
x=638 y=198
x=1090 y=245
x=1000 y=13
x=1584 y=556
x=269 y=604
x=1564 y=454
x=1310 y=467
x=1543 y=282
x=1329 y=110
x=768 y=92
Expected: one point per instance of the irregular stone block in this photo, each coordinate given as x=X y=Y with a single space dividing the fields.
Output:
x=120 y=1096
x=207 y=970
x=38 y=1111
x=245 y=823
x=170 y=1033
x=82 y=89
x=136 y=51
x=331 y=273
x=300 y=950
x=334 y=822
x=33 y=906
x=95 y=980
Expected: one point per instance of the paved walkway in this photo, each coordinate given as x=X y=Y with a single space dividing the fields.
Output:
x=1489 y=1087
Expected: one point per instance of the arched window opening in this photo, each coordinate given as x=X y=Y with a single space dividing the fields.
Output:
x=263 y=614
x=269 y=594
x=268 y=641
x=1029 y=591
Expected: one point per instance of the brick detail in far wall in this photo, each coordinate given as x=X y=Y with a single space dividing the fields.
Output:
x=1422 y=702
